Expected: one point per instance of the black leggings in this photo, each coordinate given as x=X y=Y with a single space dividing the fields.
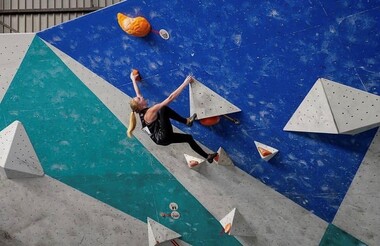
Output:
x=166 y=135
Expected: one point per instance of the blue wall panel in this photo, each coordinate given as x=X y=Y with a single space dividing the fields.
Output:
x=262 y=56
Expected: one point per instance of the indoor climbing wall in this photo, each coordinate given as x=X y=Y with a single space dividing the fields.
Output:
x=262 y=65
x=263 y=58
x=95 y=160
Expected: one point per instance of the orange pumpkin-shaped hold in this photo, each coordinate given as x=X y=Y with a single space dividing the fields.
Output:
x=138 y=27
x=210 y=121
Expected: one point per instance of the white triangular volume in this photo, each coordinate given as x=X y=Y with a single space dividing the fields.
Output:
x=266 y=152
x=174 y=242
x=354 y=110
x=158 y=233
x=17 y=155
x=228 y=219
x=330 y=107
x=313 y=114
x=206 y=103
x=191 y=161
x=13 y=48
x=235 y=224
x=223 y=159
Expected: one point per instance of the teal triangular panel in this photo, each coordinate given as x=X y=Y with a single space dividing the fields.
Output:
x=81 y=143
x=337 y=237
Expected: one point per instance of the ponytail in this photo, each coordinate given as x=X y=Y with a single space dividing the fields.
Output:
x=132 y=124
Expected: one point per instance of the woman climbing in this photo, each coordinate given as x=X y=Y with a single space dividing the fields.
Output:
x=155 y=120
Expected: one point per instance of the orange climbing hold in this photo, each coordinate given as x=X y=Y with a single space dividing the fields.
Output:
x=227 y=228
x=216 y=158
x=138 y=27
x=136 y=72
x=264 y=152
x=210 y=121
x=193 y=163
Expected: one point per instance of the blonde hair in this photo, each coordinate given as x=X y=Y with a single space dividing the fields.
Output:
x=132 y=124
x=132 y=118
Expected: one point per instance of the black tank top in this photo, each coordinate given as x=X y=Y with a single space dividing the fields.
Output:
x=154 y=127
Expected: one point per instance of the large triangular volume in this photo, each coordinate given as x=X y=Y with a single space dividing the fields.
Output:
x=206 y=103
x=223 y=159
x=17 y=155
x=266 y=152
x=193 y=162
x=235 y=224
x=354 y=110
x=313 y=114
x=158 y=233
x=13 y=48
x=331 y=107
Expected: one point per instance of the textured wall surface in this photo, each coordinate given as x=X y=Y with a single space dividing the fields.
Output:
x=263 y=57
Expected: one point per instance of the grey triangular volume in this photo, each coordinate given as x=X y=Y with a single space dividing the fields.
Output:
x=266 y=147
x=228 y=219
x=158 y=233
x=193 y=162
x=223 y=158
x=240 y=226
x=236 y=223
x=354 y=110
x=206 y=103
x=313 y=114
x=17 y=155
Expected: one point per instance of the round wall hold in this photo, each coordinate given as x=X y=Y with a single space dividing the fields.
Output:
x=173 y=206
x=175 y=215
x=164 y=34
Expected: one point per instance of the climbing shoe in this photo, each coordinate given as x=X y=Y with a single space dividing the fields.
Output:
x=191 y=119
x=210 y=157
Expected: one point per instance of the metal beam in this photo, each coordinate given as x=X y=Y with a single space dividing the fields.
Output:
x=7 y=26
x=48 y=11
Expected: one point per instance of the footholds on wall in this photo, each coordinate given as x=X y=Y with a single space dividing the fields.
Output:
x=175 y=215
x=164 y=34
x=173 y=206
